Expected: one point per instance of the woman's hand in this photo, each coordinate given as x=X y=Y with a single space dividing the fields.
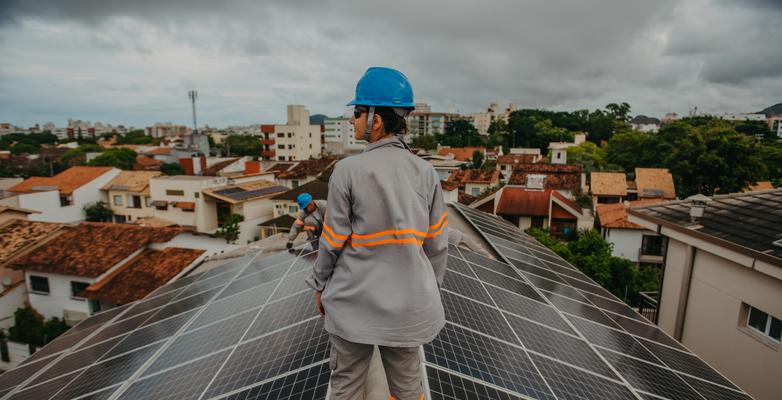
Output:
x=318 y=305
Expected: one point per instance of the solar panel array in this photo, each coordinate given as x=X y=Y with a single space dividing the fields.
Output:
x=526 y=326
x=532 y=325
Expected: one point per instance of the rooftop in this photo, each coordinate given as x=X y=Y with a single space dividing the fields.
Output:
x=318 y=189
x=518 y=158
x=748 y=222
x=461 y=153
x=306 y=168
x=462 y=176
x=131 y=181
x=141 y=275
x=245 y=191
x=215 y=168
x=66 y=181
x=608 y=184
x=17 y=235
x=523 y=325
x=90 y=248
x=655 y=182
x=558 y=176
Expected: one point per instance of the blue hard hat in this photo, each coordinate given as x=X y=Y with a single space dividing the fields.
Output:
x=383 y=87
x=304 y=200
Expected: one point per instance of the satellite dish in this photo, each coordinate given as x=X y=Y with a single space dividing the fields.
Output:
x=7 y=281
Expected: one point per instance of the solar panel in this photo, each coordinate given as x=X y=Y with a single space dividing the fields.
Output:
x=525 y=325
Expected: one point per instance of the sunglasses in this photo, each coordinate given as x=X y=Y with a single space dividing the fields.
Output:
x=358 y=111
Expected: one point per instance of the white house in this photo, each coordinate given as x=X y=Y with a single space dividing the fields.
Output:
x=61 y=198
x=630 y=240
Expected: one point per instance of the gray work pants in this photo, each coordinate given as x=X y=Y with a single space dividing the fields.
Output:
x=350 y=367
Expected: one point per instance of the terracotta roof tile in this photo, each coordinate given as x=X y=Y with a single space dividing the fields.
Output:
x=159 y=151
x=608 y=184
x=449 y=186
x=131 y=181
x=462 y=176
x=558 y=176
x=651 y=181
x=614 y=216
x=144 y=163
x=90 y=248
x=570 y=203
x=461 y=153
x=280 y=167
x=519 y=201
x=518 y=159
x=764 y=185
x=306 y=168
x=141 y=275
x=66 y=181
x=17 y=235
x=466 y=199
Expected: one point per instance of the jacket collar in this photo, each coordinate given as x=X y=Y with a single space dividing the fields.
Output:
x=394 y=141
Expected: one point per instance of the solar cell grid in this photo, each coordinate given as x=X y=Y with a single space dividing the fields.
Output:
x=713 y=392
x=486 y=359
x=524 y=307
x=75 y=361
x=292 y=283
x=184 y=382
x=582 y=310
x=529 y=268
x=238 y=303
x=206 y=284
x=505 y=282
x=557 y=288
x=279 y=260
x=459 y=265
x=192 y=345
x=260 y=359
x=180 y=306
x=62 y=343
x=245 y=282
x=651 y=378
x=150 y=304
x=559 y=345
x=282 y=313
x=465 y=286
x=98 y=319
x=150 y=334
x=646 y=331
x=613 y=339
x=311 y=383
x=570 y=383
x=494 y=265
x=304 y=263
x=18 y=375
x=446 y=386
x=117 y=329
x=476 y=316
x=685 y=362
x=45 y=390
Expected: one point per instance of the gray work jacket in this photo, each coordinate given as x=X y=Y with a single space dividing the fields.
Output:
x=383 y=249
x=310 y=222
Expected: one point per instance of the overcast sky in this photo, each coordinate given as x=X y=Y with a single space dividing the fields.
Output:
x=132 y=62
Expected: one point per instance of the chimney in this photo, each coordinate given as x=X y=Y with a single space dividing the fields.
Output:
x=535 y=182
x=698 y=204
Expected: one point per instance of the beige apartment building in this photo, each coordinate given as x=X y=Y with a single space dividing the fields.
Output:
x=128 y=195
x=721 y=292
x=294 y=141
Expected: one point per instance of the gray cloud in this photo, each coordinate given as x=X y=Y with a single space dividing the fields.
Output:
x=121 y=61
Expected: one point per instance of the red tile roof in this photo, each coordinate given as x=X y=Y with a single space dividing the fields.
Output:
x=461 y=153
x=558 y=176
x=449 y=186
x=570 y=203
x=518 y=159
x=306 y=168
x=66 y=181
x=462 y=176
x=520 y=201
x=144 y=163
x=655 y=182
x=614 y=216
x=280 y=167
x=141 y=275
x=90 y=249
x=466 y=199
x=18 y=235
x=159 y=151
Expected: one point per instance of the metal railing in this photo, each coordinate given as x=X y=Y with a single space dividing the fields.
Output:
x=647 y=305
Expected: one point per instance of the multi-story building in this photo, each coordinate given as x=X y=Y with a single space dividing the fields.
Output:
x=167 y=129
x=178 y=199
x=296 y=140
x=482 y=121
x=722 y=283
x=422 y=121
x=128 y=195
x=340 y=137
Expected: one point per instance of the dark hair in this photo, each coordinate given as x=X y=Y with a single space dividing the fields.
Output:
x=392 y=122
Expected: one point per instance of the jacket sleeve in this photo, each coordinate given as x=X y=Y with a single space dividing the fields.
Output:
x=436 y=242
x=296 y=227
x=336 y=230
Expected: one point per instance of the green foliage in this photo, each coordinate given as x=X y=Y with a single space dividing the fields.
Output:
x=230 y=229
x=115 y=157
x=242 y=145
x=591 y=156
x=426 y=142
x=582 y=199
x=137 y=136
x=29 y=327
x=756 y=129
x=98 y=212
x=74 y=157
x=90 y=148
x=460 y=133
x=477 y=159
x=25 y=148
x=591 y=254
x=172 y=169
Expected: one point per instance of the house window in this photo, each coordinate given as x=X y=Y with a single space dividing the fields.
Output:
x=39 y=284
x=147 y=201
x=476 y=191
x=117 y=200
x=65 y=201
x=76 y=288
x=196 y=194
x=537 y=222
x=295 y=183
x=120 y=219
x=280 y=158
x=310 y=145
x=290 y=135
x=652 y=245
x=281 y=147
x=134 y=201
x=175 y=192
x=764 y=323
x=310 y=134
x=293 y=209
x=290 y=147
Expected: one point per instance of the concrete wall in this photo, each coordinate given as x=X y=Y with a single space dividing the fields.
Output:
x=714 y=324
x=132 y=214
x=48 y=203
x=9 y=302
x=470 y=188
x=627 y=242
x=17 y=352
x=204 y=218
x=59 y=297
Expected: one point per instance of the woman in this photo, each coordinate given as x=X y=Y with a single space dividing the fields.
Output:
x=384 y=247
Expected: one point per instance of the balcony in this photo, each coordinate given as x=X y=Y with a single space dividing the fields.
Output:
x=648 y=305
x=268 y=153
x=267 y=142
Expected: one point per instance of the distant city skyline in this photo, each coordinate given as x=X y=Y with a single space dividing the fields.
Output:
x=132 y=63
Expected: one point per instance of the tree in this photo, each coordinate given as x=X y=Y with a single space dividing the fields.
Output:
x=25 y=148
x=460 y=133
x=426 y=142
x=231 y=228
x=137 y=136
x=633 y=149
x=98 y=212
x=115 y=157
x=172 y=169
x=591 y=156
x=73 y=157
x=477 y=159
x=242 y=145
x=30 y=327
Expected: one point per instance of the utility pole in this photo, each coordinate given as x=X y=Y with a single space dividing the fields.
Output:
x=193 y=95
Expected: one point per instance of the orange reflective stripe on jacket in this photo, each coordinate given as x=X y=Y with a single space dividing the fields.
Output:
x=358 y=240
x=338 y=240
